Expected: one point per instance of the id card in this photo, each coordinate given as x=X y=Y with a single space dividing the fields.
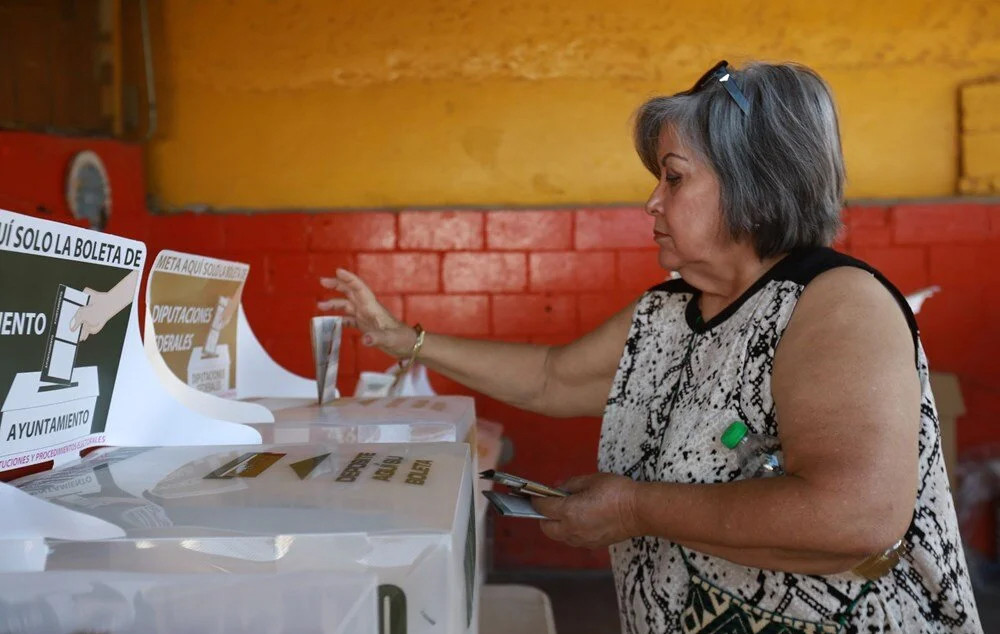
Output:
x=513 y=505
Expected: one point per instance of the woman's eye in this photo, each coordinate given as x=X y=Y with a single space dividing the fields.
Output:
x=672 y=179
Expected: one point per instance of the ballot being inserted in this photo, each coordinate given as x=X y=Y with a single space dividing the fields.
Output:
x=326 y=334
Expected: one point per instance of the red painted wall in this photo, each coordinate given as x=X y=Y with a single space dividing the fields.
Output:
x=545 y=275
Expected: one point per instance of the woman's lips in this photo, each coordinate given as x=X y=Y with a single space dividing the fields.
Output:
x=659 y=235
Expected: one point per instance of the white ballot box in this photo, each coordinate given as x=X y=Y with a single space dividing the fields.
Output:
x=356 y=433
x=412 y=419
x=403 y=512
x=67 y=602
x=57 y=412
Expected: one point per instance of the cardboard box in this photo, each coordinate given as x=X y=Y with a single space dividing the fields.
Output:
x=101 y=601
x=403 y=512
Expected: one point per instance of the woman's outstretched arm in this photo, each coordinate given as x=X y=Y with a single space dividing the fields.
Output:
x=568 y=380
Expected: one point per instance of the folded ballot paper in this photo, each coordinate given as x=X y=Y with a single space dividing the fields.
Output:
x=69 y=602
x=403 y=512
x=326 y=334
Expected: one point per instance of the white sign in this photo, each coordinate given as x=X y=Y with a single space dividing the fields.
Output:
x=65 y=298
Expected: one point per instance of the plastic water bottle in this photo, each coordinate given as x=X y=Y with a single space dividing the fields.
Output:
x=759 y=455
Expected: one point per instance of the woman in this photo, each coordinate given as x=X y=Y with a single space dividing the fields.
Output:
x=766 y=325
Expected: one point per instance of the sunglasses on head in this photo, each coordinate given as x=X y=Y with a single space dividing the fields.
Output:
x=720 y=72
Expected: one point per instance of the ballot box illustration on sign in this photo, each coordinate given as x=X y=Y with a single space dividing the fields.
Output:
x=402 y=512
x=192 y=305
x=208 y=368
x=64 y=292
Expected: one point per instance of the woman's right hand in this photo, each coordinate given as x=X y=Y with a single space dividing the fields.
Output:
x=361 y=309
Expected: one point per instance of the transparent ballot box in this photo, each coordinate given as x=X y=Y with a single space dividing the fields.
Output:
x=403 y=512
x=372 y=420
x=65 y=602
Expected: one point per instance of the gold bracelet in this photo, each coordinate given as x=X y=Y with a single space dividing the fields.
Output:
x=419 y=343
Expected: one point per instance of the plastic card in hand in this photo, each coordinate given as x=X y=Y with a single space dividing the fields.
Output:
x=513 y=505
x=403 y=512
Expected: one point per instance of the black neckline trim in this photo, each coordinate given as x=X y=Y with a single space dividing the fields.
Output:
x=692 y=313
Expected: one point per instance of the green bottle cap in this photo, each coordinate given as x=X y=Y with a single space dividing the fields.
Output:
x=734 y=434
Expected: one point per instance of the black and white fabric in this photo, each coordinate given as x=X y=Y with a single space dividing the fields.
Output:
x=679 y=384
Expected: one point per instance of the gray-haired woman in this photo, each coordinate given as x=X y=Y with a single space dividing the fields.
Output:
x=765 y=325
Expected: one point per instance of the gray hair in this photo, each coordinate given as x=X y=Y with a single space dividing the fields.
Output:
x=780 y=168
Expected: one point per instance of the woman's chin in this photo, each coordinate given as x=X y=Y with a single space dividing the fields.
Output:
x=669 y=260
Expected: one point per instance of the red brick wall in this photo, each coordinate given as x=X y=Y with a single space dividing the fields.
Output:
x=543 y=276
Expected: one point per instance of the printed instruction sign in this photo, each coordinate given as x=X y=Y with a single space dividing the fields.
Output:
x=65 y=298
x=193 y=301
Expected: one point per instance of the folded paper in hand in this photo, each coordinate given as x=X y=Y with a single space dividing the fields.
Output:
x=326 y=334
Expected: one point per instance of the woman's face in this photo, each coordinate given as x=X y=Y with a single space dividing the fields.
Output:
x=687 y=216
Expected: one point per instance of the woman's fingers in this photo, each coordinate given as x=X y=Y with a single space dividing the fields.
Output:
x=345 y=305
x=330 y=282
x=355 y=285
x=549 y=507
x=576 y=484
x=350 y=285
x=360 y=302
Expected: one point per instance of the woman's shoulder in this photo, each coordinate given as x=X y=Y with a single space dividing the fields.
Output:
x=846 y=302
x=834 y=281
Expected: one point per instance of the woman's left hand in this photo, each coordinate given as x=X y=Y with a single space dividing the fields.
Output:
x=600 y=510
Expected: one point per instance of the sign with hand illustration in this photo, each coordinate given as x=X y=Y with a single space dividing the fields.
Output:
x=64 y=291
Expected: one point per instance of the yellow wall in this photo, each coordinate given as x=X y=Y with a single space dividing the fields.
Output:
x=364 y=103
x=981 y=138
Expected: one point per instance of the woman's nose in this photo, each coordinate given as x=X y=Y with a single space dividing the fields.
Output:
x=654 y=204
